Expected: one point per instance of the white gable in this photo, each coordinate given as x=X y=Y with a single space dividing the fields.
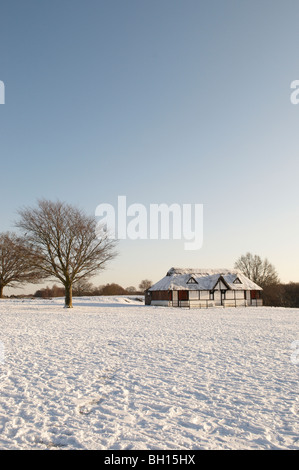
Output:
x=220 y=286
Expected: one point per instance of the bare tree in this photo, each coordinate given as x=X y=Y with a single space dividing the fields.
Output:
x=145 y=284
x=131 y=289
x=262 y=272
x=16 y=262
x=69 y=245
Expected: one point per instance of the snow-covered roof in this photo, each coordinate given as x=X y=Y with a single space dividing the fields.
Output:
x=205 y=279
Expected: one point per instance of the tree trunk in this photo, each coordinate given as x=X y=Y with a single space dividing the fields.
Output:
x=1 y=291
x=68 y=296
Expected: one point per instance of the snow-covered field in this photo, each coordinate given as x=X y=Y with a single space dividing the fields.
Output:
x=115 y=374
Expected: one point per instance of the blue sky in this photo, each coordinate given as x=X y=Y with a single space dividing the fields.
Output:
x=162 y=101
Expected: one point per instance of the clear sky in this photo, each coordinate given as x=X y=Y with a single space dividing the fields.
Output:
x=163 y=101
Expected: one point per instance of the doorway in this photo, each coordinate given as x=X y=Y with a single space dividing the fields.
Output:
x=175 y=298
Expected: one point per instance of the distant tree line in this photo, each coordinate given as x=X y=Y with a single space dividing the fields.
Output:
x=278 y=295
x=86 y=289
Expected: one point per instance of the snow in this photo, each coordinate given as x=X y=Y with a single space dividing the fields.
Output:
x=177 y=279
x=113 y=373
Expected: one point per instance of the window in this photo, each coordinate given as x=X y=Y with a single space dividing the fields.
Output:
x=183 y=295
x=193 y=294
x=191 y=281
x=237 y=281
x=255 y=294
x=161 y=295
x=212 y=295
